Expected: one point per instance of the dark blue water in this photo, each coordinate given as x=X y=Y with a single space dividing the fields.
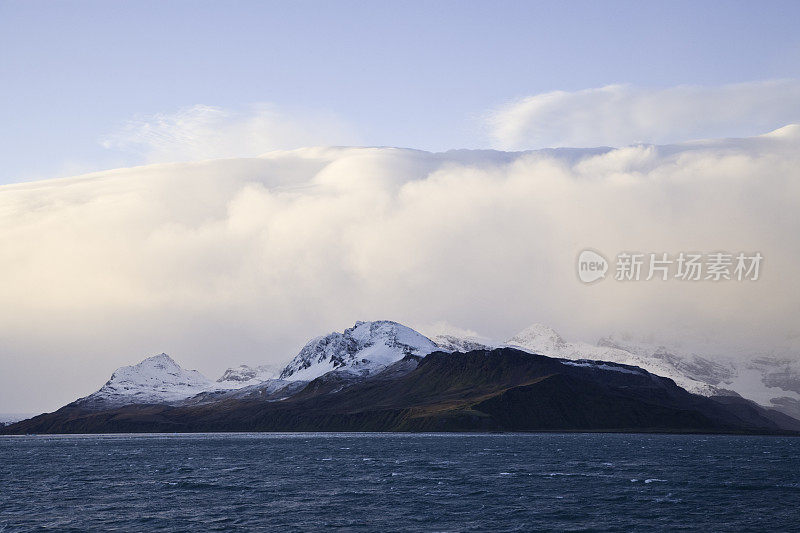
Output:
x=369 y=482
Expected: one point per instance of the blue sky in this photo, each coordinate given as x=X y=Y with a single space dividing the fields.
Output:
x=415 y=74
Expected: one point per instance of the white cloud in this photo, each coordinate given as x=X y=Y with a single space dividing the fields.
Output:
x=204 y=132
x=619 y=115
x=242 y=260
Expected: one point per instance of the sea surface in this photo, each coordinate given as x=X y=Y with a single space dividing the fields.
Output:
x=399 y=482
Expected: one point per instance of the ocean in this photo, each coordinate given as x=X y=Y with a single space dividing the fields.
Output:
x=399 y=482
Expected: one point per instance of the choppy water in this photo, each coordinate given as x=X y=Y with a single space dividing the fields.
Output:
x=388 y=482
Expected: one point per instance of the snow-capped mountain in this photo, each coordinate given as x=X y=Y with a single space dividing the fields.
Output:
x=543 y=340
x=503 y=389
x=363 y=349
x=246 y=376
x=157 y=379
x=679 y=362
x=10 y=418
x=771 y=379
x=454 y=343
x=779 y=370
x=769 y=375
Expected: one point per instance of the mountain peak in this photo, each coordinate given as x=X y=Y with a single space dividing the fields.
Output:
x=161 y=360
x=245 y=375
x=457 y=343
x=156 y=379
x=362 y=349
x=537 y=336
x=150 y=366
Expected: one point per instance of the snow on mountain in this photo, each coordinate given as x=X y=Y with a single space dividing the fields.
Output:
x=543 y=340
x=246 y=376
x=768 y=380
x=780 y=366
x=10 y=418
x=268 y=390
x=600 y=365
x=768 y=375
x=157 y=379
x=538 y=337
x=365 y=348
x=450 y=338
x=771 y=378
x=715 y=374
x=786 y=405
x=453 y=343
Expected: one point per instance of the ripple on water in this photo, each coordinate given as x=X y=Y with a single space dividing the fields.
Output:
x=365 y=482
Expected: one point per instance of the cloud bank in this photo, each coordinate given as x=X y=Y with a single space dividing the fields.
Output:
x=619 y=115
x=206 y=132
x=242 y=260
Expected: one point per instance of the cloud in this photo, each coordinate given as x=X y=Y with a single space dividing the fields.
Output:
x=242 y=260
x=619 y=115
x=205 y=132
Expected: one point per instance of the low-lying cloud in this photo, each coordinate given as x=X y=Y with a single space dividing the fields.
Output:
x=619 y=115
x=242 y=260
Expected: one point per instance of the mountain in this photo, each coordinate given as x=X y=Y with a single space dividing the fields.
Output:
x=160 y=380
x=689 y=366
x=246 y=376
x=771 y=378
x=365 y=348
x=769 y=375
x=786 y=405
x=454 y=343
x=10 y=418
x=503 y=389
x=542 y=339
x=157 y=379
x=377 y=357
x=780 y=370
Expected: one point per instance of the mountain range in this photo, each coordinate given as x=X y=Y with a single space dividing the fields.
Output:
x=384 y=376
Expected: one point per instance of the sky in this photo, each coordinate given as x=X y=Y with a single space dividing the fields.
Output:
x=238 y=177
x=413 y=74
